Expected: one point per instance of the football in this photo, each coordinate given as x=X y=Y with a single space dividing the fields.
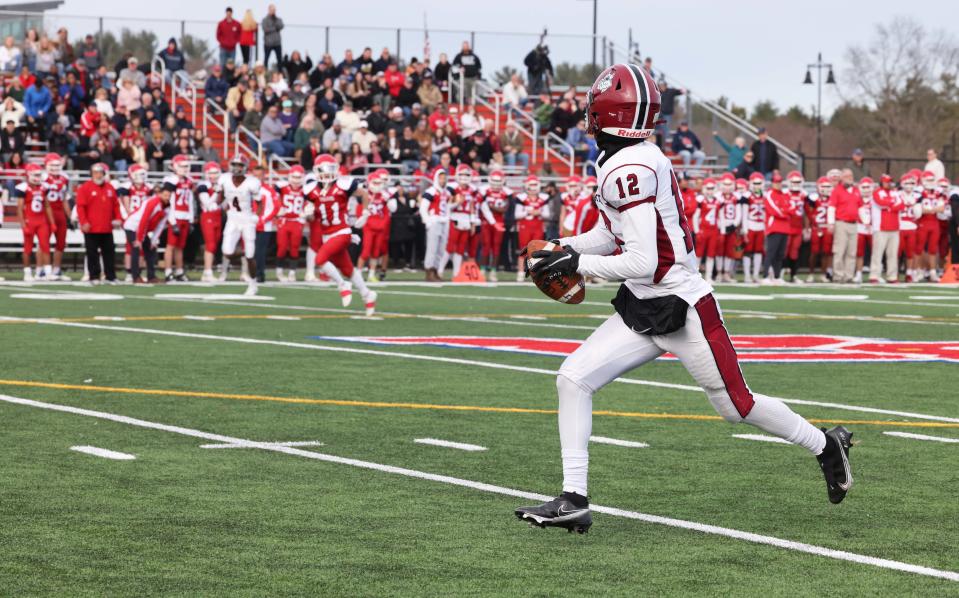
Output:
x=559 y=287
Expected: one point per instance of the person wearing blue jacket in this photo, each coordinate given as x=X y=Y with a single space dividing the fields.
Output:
x=736 y=151
x=687 y=146
x=216 y=86
x=36 y=103
x=172 y=58
x=72 y=94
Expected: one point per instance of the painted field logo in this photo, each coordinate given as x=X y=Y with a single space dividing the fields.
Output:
x=762 y=348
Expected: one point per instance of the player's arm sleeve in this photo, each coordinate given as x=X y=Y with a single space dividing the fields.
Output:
x=81 y=208
x=520 y=211
x=487 y=213
x=596 y=241
x=145 y=221
x=639 y=257
x=425 y=200
x=637 y=211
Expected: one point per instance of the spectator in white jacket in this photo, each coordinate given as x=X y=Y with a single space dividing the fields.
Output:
x=514 y=93
x=364 y=137
x=348 y=119
x=10 y=56
x=11 y=110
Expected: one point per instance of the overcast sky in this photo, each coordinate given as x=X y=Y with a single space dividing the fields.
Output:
x=747 y=50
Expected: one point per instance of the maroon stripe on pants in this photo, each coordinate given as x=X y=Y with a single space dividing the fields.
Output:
x=725 y=355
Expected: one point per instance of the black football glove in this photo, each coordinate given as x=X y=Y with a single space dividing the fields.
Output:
x=564 y=262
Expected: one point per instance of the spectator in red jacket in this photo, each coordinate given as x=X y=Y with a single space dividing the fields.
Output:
x=394 y=79
x=228 y=33
x=779 y=214
x=843 y=218
x=98 y=210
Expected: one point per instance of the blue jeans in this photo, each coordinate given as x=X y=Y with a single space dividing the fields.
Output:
x=279 y=147
x=411 y=165
x=696 y=156
x=226 y=55
x=512 y=159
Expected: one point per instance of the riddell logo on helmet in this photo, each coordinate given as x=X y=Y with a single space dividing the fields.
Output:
x=632 y=133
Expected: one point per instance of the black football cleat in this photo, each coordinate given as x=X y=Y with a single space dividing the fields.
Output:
x=834 y=462
x=568 y=510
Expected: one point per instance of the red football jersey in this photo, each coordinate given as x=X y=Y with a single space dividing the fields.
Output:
x=497 y=200
x=332 y=204
x=34 y=198
x=292 y=201
x=57 y=188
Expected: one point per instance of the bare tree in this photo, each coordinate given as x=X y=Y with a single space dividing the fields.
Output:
x=905 y=78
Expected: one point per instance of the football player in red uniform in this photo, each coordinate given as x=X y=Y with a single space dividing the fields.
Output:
x=331 y=199
x=132 y=194
x=797 y=196
x=586 y=214
x=754 y=227
x=908 y=224
x=435 y=203
x=495 y=197
x=211 y=217
x=927 y=238
x=290 y=220
x=532 y=207
x=57 y=186
x=709 y=239
x=462 y=225
x=864 y=225
x=730 y=221
x=780 y=211
x=143 y=227
x=570 y=197
x=375 y=222
x=181 y=218
x=662 y=306
x=37 y=220
x=820 y=239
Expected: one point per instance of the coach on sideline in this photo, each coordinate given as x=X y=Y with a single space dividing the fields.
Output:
x=842 y=218
x=98 y=210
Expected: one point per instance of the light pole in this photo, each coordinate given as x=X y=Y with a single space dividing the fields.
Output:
x=819 y=65
x=595 y=6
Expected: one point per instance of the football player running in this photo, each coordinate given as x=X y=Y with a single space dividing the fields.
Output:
x=664 y=305
x=331 y=199
x=238 y=191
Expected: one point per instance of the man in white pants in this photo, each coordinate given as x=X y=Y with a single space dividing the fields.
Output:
x=435 y=213
x=664 y=305
x=237 y=191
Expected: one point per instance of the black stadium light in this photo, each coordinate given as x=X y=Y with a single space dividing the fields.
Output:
x=808 y=79
x=819 y=65
x=830 y=80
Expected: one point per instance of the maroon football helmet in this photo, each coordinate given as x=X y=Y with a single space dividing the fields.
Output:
x=623 y=101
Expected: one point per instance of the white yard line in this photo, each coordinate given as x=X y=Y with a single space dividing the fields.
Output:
x=761 y=438
x=899 y=319
x=922 y=437
x=101 y=452
x=233 y=446
x=617 y=442
x=463 y=446
x=457 y=361
x=704 y=528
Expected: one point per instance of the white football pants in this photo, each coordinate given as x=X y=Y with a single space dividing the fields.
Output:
x=436 y=236
x=702 y=346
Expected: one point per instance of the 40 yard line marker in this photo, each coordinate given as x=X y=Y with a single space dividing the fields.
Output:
x=704 y=528
x=473 y=363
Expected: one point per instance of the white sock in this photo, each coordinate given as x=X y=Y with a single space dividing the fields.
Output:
x=311 y=262
x=48 y=270
x=168 y=271
x=27 y=270
x=757 y=264
x=357 y=279
x=773 y=416
x=457 y=262
x=207 y=272
x=332 y=273
x=179 y=271
x=443 y=261
x=575 y=427
x=709 y=267
x=747 y=265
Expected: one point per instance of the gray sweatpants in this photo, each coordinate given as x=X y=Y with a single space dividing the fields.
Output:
x=844 y=251
x=436 y=236
x=885 y=243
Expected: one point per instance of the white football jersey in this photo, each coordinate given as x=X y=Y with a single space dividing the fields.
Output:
x=641 y=215
x=238 y=199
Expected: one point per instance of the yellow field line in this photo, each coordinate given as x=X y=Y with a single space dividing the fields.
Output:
x=429 y=406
